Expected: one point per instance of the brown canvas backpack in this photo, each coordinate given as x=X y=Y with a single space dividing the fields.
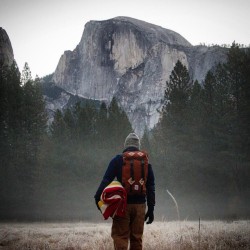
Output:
x=135 y=172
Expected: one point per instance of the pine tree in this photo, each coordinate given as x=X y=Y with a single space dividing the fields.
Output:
x=34 y=125
x=209 y=93
x=195 y=117
x=85 y=122
x=119 y=125
x=237 y=69
x=10 y=136
x=102 y=125
x=145 y=141
x=58 y=127
x=70 y=123
x=174 y=113
x=26 y=74
x=34 y=115
x=23 y=124
x=171 y=139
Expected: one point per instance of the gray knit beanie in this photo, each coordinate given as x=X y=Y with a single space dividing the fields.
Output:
x=132 y=140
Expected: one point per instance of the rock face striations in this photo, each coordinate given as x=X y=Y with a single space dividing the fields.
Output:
x=6 y=51
x=131 y=60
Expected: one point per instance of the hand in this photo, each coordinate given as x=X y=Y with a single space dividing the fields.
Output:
x=150 y=216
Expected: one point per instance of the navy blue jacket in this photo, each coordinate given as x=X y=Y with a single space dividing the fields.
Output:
x=114 y=170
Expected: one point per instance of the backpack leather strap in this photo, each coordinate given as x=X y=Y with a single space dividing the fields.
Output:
x=142 y=173
x=132 y=172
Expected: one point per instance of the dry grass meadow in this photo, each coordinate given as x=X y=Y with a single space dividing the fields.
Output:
x=159 y=235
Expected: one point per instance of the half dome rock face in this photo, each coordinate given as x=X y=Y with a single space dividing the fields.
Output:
x=6 y=51
x=131 y=60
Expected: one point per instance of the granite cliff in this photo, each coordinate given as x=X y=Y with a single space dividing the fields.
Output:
x=6 y=51
x=131 y=60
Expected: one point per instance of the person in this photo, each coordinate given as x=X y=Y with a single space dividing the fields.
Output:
x=129 y=229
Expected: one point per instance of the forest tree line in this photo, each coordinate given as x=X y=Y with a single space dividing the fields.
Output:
x=199 y=149
x=202 y=141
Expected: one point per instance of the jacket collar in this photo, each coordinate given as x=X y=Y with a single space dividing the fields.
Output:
x=130 y=149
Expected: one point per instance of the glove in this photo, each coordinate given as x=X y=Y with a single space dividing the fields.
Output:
x=150 y=216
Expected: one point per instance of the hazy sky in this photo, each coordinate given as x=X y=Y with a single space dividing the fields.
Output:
x=41 y=30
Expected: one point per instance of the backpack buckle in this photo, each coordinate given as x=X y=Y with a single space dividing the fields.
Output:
x=130 y=181
x=141 y=181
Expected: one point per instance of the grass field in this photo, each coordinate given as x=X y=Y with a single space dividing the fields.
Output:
x=159 y=235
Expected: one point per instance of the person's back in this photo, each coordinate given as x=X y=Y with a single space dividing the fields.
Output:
x=140 y=187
